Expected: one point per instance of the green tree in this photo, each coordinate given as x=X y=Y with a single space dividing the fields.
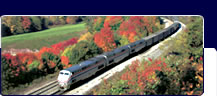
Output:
x=82 y=51
x=36 y=23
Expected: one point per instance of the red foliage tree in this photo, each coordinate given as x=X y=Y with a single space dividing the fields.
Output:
x=26 y=22
x=105 y=39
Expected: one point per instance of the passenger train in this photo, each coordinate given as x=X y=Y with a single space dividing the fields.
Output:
x=87 y=68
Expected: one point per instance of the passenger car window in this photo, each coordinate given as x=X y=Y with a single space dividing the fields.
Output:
x=61 y=73
x=66 y=73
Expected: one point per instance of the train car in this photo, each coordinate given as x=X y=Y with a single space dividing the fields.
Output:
x=166 y=33
x=137 y=45
x=140 y=44
x=155 y=37
x=121 y=53
x=110 y=57
x=174 y=27
x=149 y=40
x=159 y=35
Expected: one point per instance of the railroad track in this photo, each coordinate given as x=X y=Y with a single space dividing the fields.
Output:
x=81 y=88
x=48 y=89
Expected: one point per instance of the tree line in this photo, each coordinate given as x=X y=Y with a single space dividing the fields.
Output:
x=13 y=25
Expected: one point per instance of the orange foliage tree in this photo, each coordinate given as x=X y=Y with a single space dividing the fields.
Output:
x=128 y=30
x=65 y=62
x=105 y=39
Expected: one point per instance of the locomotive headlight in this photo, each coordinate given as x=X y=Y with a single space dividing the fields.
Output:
x=62 y=84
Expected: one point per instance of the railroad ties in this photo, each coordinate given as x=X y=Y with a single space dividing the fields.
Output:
x=48 y=89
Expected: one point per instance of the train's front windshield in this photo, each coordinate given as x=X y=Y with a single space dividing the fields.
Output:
x=61 y=73
x=64 y=76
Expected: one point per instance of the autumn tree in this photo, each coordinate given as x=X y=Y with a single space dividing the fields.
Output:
x=26 y=23
x=105 y=39
x=113 y=22
x=128 y=30
x=72 y=19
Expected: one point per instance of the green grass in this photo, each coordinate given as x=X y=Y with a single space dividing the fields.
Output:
x=48 y=37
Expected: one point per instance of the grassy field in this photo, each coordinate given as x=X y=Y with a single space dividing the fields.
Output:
x=36 y=40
